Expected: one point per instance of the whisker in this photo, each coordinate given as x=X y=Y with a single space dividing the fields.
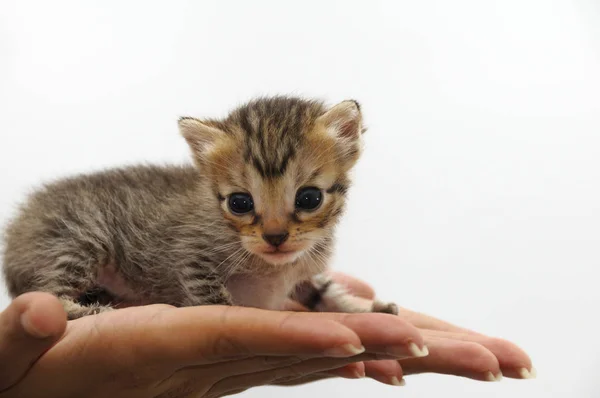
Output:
x=229 y=266
x=238 y=263
x=231 y=255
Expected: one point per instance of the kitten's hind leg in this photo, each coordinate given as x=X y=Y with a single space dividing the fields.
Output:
x=322 y=294
x=74 y=283
x=77 y=310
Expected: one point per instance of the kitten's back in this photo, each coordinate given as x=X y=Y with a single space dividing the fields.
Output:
x=97 y=215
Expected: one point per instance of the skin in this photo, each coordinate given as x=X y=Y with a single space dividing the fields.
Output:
x=130 y=352
x=453 y=350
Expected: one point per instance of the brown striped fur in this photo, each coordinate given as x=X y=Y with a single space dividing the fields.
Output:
x=151 y=234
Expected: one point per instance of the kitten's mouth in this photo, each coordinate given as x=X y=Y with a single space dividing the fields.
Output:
x=277 y=256
x=278 y=251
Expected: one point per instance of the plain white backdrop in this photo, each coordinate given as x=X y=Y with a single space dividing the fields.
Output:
x=477 y=199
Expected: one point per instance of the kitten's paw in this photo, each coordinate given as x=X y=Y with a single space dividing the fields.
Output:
x=386 y=308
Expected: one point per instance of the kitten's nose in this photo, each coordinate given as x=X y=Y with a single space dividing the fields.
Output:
x=276 y=239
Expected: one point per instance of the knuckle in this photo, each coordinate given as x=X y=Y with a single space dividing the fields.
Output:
x=480 y=358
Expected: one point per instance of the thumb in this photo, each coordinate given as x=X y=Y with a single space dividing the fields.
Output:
x=29 y=326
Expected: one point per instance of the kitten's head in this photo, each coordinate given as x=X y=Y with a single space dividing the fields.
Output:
x=279 y=169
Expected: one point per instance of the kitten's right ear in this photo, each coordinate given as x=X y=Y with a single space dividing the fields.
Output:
x=199 y=135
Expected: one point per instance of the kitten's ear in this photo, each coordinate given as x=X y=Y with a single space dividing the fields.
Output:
x=199 y=135
x=344 y=120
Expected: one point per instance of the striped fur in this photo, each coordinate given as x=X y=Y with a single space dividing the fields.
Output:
x=148 y=234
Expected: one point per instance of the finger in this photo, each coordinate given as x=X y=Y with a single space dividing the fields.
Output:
x=455 y=357
x=382 y=333
x=398 y=339
x=351 y=371
x=209 y=334
x=379 y=333
x=514 y=362
x=29 y=326
x=383 y=371
x=236 y=367
x=354 y=370
x=284 y=374
x=387 y=372
x=373 y=337
x=355 y=286
x=305 y=380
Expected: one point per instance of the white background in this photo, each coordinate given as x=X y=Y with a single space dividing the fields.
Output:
x=477 y=200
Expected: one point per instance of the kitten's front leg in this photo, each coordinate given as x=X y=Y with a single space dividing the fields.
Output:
x=204 y=290
x=322 y=294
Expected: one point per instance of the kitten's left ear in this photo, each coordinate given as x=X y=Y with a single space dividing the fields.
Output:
x=344 y=120
x=199 y=135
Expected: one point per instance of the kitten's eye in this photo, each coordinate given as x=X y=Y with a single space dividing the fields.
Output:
x=240 y=203
x=308 y=198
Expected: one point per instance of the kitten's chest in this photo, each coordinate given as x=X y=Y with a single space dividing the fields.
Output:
x=264 y=291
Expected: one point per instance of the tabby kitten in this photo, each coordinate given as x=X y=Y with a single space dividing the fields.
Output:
x=251 y=224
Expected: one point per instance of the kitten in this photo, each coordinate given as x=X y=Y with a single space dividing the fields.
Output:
x=251 y=224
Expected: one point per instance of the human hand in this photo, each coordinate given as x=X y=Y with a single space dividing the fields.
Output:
x=162 y=351
x=452 y=350
x=30 y=325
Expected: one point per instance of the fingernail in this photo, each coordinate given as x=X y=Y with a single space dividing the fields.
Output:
x=359 y=374
x=489 y=376
x=31 y=329
x=407 y=351
x=395 y=382
x=418 y=352
x=528 y=374
x=344 y=351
